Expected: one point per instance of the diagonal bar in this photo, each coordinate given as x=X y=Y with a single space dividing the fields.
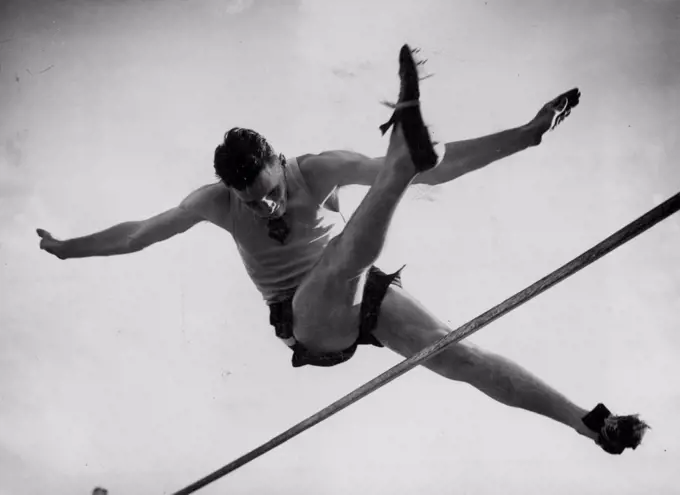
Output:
x=630 y=231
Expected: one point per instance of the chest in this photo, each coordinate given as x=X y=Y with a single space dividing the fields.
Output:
x=307 y=224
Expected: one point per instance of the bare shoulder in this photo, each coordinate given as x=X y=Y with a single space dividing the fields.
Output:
x=206 y=200
x=328 y=162
x=337 y=168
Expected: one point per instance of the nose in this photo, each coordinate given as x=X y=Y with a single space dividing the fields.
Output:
x=271 y=205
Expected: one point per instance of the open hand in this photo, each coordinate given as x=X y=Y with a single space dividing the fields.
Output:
x=554 y=112
x=50 y=244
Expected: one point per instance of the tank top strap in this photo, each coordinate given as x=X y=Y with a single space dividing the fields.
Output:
x=297 y=180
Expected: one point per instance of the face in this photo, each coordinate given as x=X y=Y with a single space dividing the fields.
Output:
x=266 y=197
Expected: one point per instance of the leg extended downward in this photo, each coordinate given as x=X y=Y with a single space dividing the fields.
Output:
x=406 y=327
x=326 y=304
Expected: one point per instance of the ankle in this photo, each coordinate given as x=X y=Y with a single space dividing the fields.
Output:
x=532 y=133
x=583 y=430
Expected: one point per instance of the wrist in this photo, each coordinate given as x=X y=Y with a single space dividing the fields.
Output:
x=66 y=250
x=532 y=134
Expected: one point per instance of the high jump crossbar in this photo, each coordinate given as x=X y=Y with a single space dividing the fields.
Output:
x=630 y=231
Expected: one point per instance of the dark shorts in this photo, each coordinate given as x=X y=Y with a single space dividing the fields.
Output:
x=377 y=283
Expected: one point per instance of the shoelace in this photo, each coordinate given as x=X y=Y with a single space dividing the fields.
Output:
x=560 y=114
x=403 y=104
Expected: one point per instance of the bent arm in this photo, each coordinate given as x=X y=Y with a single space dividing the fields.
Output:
x=344 y=168
x=465 y=156
x=133 y=236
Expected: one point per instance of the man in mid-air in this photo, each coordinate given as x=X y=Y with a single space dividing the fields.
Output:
x=316 y=271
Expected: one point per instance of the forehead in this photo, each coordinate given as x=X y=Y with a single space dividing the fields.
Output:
x=268 y=178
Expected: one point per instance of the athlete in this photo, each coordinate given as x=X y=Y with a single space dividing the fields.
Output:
x=316 y=271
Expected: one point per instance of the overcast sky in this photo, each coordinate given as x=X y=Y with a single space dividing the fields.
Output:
x=143 y=373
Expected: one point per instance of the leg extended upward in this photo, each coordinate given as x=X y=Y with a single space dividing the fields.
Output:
x=326 y=303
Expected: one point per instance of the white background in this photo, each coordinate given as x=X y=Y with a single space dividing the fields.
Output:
x=143 y=373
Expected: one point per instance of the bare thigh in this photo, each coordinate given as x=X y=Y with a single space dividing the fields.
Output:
x=326 y=306
x=406 y=327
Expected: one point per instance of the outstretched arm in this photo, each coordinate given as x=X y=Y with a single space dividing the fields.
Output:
x=126 y=237
x=342 y=168
x=462 y=157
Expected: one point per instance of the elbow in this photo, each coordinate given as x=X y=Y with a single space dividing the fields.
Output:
x=430 y=178
x=447 y=170
x=426 y=179
x=136 y=239
x=133 y=244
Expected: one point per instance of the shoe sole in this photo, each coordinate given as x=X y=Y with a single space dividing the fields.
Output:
x=420 y=146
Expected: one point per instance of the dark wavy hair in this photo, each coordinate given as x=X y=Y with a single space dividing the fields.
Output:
x=241 y=157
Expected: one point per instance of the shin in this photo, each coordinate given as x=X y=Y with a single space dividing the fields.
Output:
x=407 y=327
x=508 y=383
